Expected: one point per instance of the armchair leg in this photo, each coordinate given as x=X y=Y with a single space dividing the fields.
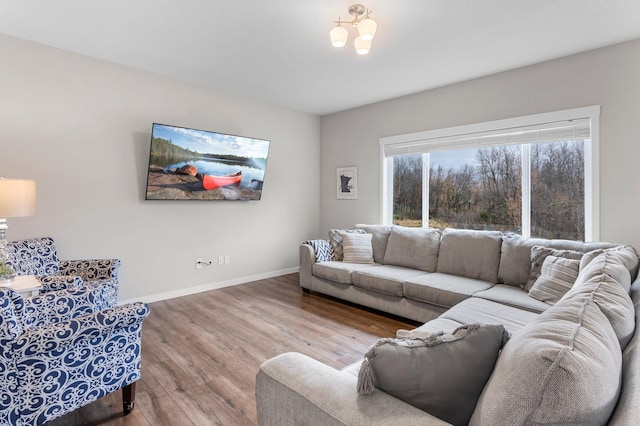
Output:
x=128 y=397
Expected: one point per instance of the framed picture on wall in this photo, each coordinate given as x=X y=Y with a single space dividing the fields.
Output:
x=347 y=183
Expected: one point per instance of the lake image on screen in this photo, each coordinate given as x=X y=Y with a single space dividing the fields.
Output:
x=186 y=164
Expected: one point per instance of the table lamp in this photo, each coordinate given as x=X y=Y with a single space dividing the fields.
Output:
x=17 y=199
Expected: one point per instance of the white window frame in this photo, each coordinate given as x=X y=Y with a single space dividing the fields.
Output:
x=591 y=162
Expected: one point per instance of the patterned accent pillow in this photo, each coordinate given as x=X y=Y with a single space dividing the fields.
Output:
x=322 y=250
x=357 y=248
x=335 y=239
x=442 y=374
x=539 y=254
x=557 y=277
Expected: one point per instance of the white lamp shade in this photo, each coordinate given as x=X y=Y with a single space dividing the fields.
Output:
x=17 y=197
x=362 y=46
x=367 y=29
x=339 y=36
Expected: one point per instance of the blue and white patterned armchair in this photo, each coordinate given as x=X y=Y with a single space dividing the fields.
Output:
x=38 y=256
x=58 y=352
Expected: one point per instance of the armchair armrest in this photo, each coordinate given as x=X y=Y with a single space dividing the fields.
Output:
x=58 y=282
x=63 y=305
x=91 y=269
x=57 y=337
x=293 y=389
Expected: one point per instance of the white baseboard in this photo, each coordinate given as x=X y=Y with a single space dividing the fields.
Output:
x=206 y=287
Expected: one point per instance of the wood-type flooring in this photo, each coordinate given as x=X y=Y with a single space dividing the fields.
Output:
x=200 y=353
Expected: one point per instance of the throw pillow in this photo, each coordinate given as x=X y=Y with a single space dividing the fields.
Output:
x=322 y=250
x=556 y=278
x=539 y=254
x=357 y=248
x=442 y=374
x=335 y=239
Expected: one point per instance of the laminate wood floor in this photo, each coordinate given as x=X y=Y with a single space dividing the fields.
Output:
x=200 y=353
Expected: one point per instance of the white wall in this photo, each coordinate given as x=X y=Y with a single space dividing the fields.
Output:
x=81 y=128
x=609 y=77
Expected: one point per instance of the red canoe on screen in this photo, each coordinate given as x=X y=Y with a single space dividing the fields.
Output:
x=213 y=182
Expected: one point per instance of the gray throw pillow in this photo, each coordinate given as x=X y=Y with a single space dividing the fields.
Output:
x=557 y=277
x=335 y=239
x=539 y=254
x=442 y=374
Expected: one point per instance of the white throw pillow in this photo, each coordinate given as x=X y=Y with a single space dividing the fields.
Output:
x=557 y=276
x=357 y=248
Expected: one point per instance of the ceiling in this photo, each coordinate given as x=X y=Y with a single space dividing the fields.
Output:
x=278 y=51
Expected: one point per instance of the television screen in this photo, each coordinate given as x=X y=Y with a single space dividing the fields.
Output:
x=191 y=164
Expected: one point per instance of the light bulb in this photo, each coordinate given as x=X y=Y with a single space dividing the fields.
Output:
x=339 y=36
x=367 y=28
x=362 y=46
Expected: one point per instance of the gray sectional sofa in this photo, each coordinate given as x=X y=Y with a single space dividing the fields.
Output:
x=573 y=356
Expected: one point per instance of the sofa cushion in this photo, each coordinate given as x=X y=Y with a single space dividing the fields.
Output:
x=379 y=241
x=337 y=271
x=598 y=284
x=386 y=279
x=512 y=296
x=356 y=248
x=626 y=258
x=471 y=254
x=484 y=311
x=413 y=248
x=556 y=278
x=561 y=368
x=515 y=260
x=539 y=254
x=405 y=369
x=628 y=406
x=335 y=239
x=434 y=326
x=442 y=289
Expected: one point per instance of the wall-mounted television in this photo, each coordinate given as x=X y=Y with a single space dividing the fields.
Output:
x=192 y=164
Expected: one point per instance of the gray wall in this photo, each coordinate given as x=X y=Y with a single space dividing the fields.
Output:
x=81 y=128
x=609 y=77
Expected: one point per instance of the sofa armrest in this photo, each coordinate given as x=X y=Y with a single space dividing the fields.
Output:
x=91 y=269
x=58 y=282
x=63 y=305
x=307 y=259
x=293 y=389
x=57 y=337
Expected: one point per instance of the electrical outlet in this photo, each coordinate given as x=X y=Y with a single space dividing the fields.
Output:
x=227 y=259
x=198 y=263
x=220 y=260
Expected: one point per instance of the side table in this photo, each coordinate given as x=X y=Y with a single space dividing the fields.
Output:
x=26 y=285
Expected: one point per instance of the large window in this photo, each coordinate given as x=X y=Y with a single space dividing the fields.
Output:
x=535 y=176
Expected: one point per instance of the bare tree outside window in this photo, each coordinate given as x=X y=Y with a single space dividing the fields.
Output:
x=482 y=189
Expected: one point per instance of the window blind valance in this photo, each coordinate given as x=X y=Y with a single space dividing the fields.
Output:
x=543 y=132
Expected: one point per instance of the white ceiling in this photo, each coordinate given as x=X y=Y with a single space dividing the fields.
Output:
x=278 y=51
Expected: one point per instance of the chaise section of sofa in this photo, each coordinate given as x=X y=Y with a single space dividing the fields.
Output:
x=293 y=390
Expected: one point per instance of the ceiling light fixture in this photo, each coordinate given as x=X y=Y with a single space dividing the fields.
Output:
x=366 y=30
